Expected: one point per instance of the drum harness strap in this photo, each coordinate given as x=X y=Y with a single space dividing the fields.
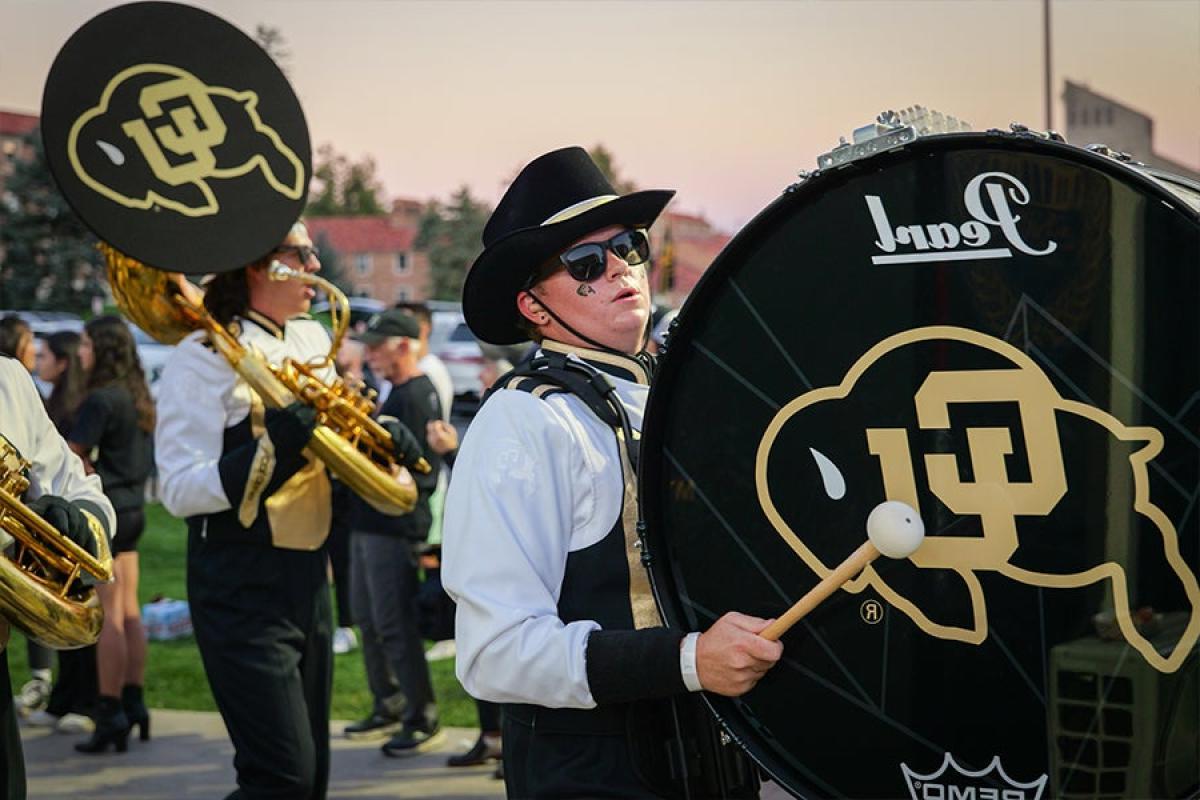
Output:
x=553 y=372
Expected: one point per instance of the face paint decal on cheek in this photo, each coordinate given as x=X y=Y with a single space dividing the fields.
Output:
x=584 y=290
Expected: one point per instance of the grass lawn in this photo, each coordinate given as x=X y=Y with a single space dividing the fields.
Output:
x=174 y=675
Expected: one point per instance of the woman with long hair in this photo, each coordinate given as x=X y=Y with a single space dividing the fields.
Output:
x=72 y=701
x=113 y=434
x=16 y=340
x=59 y=368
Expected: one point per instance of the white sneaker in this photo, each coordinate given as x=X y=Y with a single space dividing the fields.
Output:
x=344 y=640
x=40 y=719
x=440 y=650
x=75 y=723
x=32 y=697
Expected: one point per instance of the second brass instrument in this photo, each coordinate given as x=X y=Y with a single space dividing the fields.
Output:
x=356 y=448
x=40 y=590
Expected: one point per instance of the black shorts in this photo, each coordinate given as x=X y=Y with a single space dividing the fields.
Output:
x=130 y=524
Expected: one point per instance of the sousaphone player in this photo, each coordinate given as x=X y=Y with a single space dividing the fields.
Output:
x=62 y=495
x=191 y=154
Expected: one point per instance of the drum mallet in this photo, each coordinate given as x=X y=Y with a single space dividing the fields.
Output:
x=894 y=529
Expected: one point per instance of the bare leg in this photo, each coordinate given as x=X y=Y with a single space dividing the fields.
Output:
x=110 y=651
x=135 y=636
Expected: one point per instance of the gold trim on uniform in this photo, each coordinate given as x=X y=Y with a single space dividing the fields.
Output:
x=261 y=469
x=301 y=511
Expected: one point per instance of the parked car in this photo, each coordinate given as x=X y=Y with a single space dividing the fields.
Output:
x=46 y=322
x=152 y=353
x=361 y=309
x=452 y=341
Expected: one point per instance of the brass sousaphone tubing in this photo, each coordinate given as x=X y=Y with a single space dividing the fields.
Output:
x=355 y=447
x=40 y=591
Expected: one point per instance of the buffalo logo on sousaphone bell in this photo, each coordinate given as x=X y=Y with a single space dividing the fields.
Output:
x=160 y=136
x=980 y=436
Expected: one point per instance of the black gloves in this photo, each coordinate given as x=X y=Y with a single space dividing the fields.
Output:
x=290 y=428
x=67 y=518
x=251 y=473
x=405 y=447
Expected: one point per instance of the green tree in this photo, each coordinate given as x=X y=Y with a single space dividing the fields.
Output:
x=342 y=187
x=608 y=165
x=452 y=235
x=271 y=39
x=48 y=258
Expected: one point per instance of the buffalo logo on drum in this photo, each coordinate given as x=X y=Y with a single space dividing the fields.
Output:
x=160 y=136
x=951 y=781
x=993 y=502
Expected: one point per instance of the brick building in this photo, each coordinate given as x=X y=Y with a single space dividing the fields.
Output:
x=683 y=246
x=14 y=127
x=1093 y=118
x=376 y=255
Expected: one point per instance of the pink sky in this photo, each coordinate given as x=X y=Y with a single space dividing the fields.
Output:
x=723 y=101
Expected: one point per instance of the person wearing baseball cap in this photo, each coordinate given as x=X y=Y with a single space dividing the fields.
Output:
x=383 y=556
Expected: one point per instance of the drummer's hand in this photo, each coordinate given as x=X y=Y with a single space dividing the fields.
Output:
x=442 y=438
x=731 y=657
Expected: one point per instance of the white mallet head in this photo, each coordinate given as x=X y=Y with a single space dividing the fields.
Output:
x=895 y=529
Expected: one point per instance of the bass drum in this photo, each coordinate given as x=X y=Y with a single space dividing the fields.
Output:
x=1003 y=332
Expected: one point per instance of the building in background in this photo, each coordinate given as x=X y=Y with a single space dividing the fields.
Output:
x=1093 y=118
x=376 y=255
x=14 y=127
x=682 y=246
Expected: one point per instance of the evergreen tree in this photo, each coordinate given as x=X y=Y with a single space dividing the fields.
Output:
x=608 y=165
x=452 y=235
x=48 y=258
x=341 y=187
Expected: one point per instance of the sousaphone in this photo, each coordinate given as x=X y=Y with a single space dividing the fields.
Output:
x=181 y=144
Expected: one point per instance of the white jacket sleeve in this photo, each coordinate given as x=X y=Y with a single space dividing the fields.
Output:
x=515 y=497
x=189 y=436
x=55 y=469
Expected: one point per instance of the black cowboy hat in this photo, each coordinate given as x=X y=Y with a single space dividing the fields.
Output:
x=557 y=199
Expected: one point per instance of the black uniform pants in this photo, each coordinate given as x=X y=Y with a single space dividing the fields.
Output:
x=262 y=620
x=560 y=753
x=12 y=765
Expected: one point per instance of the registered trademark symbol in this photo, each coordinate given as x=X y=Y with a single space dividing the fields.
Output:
x=871 y=611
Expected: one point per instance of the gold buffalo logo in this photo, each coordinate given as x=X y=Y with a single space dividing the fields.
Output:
x=992 y=499
x=160 y=135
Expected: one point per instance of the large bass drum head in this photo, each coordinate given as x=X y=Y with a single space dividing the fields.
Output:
x=1003 y=333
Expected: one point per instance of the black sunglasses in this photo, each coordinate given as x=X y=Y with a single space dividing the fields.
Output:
x=303 y=251
x=586 y=262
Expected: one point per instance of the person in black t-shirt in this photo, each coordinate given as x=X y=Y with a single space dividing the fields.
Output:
x=383 y=561
x=113 y=434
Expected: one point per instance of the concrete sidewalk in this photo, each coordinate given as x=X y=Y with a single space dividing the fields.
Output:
x=190 y=756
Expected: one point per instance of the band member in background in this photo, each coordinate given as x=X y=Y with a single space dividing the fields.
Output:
x=112 y=434
x=16 y=340
x=60 y=493
x=555 y=617
x=383 y=558
x=258 y=511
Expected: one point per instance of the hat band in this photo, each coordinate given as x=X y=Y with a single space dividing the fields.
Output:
x=579 y=208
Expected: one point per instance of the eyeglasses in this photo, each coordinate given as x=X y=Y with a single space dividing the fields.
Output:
x=303 y=252
x=586 y=262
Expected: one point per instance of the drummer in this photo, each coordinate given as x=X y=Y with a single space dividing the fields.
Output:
x=555 y=616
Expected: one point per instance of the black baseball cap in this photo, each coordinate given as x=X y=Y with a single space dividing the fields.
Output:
x=386 y=324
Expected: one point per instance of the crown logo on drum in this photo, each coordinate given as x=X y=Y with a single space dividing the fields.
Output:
x=951 y=780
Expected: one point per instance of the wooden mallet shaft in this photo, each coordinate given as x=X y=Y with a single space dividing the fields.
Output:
x=854 y=564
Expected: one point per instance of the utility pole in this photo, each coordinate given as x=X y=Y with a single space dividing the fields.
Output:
x=1046 y=60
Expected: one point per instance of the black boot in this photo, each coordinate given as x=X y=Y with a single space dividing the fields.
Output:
x=112 y=727
x=135 y=710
